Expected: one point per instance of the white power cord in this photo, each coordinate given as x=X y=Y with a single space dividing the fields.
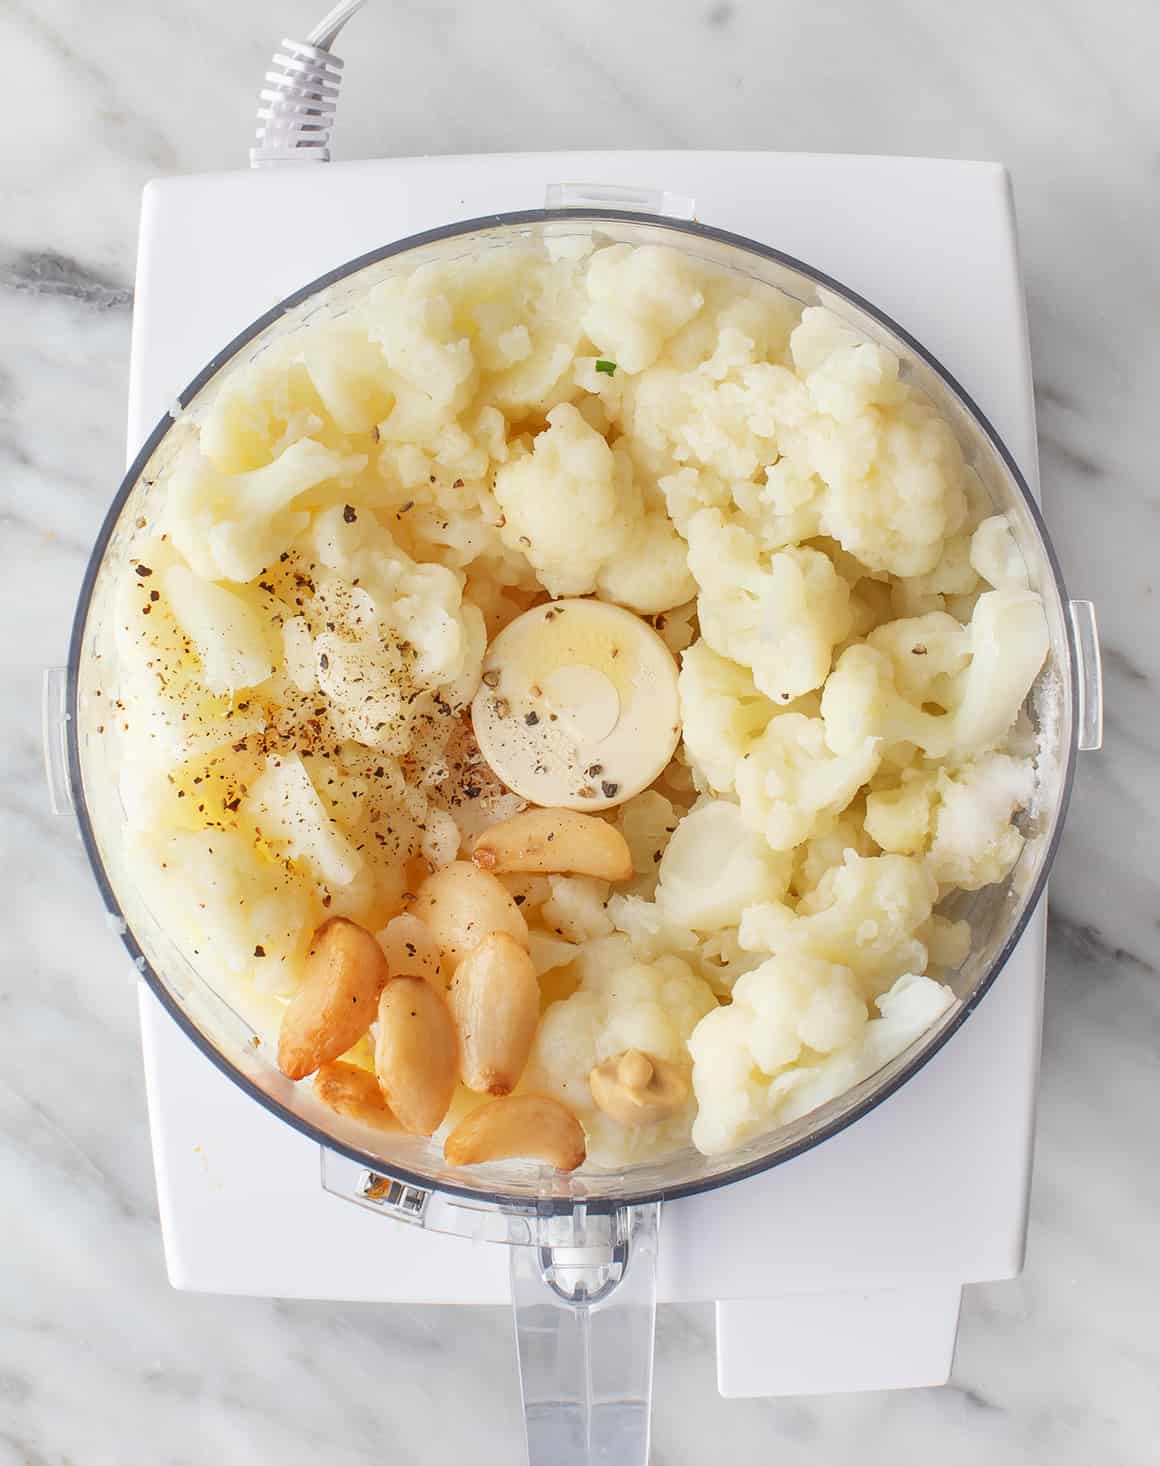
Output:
x=300 y=99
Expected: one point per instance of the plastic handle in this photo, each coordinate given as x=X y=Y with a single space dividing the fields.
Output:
x=584 y=1296
x=54 y=718
x=1086 y=636
x=620 y=196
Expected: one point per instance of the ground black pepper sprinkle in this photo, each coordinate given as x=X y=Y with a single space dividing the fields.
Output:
x=349 y=514
x=609 y=788
x=259 y=951
x=143 y=570
x=531 y=719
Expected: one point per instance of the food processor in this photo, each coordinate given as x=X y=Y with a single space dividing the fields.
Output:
x=584 y=1261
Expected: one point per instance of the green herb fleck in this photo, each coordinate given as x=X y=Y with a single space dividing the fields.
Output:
x=608 y=368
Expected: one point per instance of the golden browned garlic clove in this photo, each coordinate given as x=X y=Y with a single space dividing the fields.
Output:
x=561 y=841
x=416 y=1054
x=354 y=1092
x=460 y=904
x=518 y=1127
x=635 y=1088
x=495 y=1001
x=335 y=1003
x=411 y=950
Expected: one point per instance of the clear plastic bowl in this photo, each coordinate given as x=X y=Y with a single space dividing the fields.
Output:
x=515 y=1201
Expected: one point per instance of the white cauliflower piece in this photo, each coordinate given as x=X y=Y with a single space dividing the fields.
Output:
x=721 y=713
x=570 y=505
x=234 y=526
x=781 y=618
x=1008 y=643
x=349 y=373
x=864 y=914
x=910 y=1008
x=739 y=1097
x=825 y=851
x=792 y=785
x=430 y=369
x=651 y=572
x=290 y=816
x=947 y=942
x=651 y=929
x=577 y=909
x=845 y=375
x=899 y=818
x=779 y=1010
x=715 y=866
x=227 y=912
x=232 y=639
x=974 y=843
x=638 y=298
x=995 y=556
x=620 y=1004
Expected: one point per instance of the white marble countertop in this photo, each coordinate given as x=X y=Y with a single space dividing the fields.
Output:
x=100 y=1363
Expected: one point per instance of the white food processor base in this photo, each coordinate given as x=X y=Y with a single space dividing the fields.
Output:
x=841 y=1270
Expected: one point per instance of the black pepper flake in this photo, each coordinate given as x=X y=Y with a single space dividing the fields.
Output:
x=145 y=610
x=609 y=788
x=324 y=661
x=458 y=484
x=919 y=650
x=142 y=570
x=348 y=514
x=472 y=791
x=657 y=856
x=232 y=805
x=531 y=719
x=594 y=770
x=259 y=951
x=519 y=900
x=154 y=595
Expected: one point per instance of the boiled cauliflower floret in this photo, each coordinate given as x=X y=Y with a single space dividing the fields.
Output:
x=569 y=504
x=428 y=362
x=844 y=374
x=791 y=785
x=229 y=913
x=620 y=1004
x=639 y=298
x=232 y=638
x=952 y=580
x=995 y=556
x=290 y=816
x=651 y=572
x=974 y=842
x=826 y=851
x=779 y=1010
x=899 y=818
x=577 y=908
x=234 y=526
x=721 y=713
x=781 y=617
x=1008 y=643
x=715 y=866
x=864 y=914
x=739 y=1097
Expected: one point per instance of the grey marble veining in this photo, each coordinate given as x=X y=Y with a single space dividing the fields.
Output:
x=100 y=1363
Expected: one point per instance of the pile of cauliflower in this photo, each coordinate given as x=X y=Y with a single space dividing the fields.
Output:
x=315 y=580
